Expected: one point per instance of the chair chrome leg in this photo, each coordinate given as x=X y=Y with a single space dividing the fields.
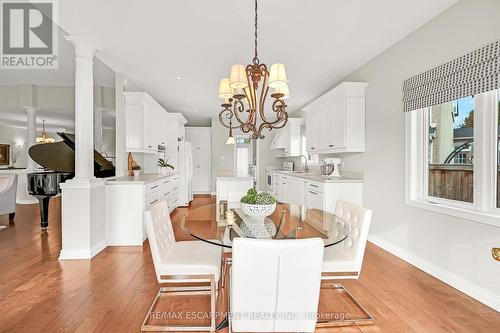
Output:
x=185 y=290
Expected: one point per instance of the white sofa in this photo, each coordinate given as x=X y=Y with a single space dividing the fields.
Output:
x=8 y=190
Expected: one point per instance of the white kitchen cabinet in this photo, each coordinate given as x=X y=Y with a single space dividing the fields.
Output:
x=127 y=198
x=283 y=189
x=313 y=192
x=335 y=122
x=295 y=190
x=286 y=142
x=201 y=138
x=174 y=133
x=141 y=122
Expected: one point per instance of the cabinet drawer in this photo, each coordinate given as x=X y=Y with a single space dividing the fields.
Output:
x=152 y=187
x=151 y=199
x=316 y=187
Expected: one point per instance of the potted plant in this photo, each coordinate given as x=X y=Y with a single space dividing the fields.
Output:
x=137 y=170
x=258 y=204
x=163 y=164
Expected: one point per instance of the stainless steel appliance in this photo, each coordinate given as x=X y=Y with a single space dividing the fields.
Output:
x=330 y=167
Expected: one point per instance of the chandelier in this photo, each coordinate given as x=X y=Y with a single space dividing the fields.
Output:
x=44 y=138
x=244 y=104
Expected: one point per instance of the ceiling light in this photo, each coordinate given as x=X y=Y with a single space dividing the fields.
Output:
x=245 y=100
x=179 y=78
x=44 y=138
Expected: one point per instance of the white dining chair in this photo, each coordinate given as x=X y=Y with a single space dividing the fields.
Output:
x=180 y=262
x=344 y=260
x=275 y=285
x=8 y=190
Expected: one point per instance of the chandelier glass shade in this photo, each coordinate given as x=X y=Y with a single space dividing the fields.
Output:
x=245 y=92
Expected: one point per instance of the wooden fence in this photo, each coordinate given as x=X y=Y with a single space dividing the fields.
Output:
x=454 y=182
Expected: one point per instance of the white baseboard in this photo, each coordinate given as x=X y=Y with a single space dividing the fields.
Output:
x=125 y=242
x=83 y=253
x=482 y=295
x=98 y=247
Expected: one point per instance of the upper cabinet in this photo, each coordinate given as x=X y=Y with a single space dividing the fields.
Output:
x=335 y=122
x=286 y=142
x=142 y=115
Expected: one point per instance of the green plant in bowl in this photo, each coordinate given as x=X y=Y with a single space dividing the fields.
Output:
x=258 y=204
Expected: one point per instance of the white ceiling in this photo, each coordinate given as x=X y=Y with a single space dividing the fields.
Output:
x=154 y=42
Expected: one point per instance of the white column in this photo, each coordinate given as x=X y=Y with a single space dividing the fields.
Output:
x=98 y=129
x=120 y=153
x=84 y=110
x=83 y=210
x=30 y=135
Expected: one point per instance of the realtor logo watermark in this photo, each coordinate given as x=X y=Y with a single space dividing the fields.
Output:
x=29 y=34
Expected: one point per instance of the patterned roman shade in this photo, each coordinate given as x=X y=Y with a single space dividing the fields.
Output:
x=471 y=74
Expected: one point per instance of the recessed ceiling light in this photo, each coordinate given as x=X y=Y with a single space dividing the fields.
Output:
x=195 y=110
x=178 y=78
x=189 y=98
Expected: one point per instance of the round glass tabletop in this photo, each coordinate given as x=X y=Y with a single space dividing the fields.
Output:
x=288 y=221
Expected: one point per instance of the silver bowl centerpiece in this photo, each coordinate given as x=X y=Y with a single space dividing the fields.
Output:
x=258 y=204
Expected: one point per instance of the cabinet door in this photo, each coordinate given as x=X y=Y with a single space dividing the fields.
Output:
x=311 y=133
x=162 y=127
x=339 y=122
x=294 y=190
x=204 y=160
x=150 y=129
x=284 y=189
x=315 y=199
x=329 y=126
x=133 y=126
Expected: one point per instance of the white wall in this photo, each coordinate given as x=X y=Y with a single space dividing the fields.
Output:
x=16 y=137
x=457 y=250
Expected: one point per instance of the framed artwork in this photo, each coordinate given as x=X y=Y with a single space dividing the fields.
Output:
x=4 y=154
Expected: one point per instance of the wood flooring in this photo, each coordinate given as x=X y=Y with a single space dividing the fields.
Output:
x=113 y=291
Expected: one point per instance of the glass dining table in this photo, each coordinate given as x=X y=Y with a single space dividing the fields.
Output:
x=289 y=221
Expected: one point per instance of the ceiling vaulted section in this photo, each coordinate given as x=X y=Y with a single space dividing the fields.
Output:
x=178 y=50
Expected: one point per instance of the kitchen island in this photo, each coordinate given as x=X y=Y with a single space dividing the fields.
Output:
x=126 y=200
x=230 y=187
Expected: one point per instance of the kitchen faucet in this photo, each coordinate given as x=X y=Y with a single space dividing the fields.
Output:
x=306 y=168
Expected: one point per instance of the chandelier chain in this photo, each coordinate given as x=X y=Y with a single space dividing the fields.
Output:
x=256 y=58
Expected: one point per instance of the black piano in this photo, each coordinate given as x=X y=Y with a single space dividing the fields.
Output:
x=59 y=160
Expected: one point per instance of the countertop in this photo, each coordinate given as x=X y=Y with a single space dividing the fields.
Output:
x=346 y=178
x=143 y=179
x=231 y=175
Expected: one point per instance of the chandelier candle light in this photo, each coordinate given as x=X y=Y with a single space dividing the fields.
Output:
x=244 y=103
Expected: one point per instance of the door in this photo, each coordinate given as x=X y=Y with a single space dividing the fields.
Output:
x=200 y=137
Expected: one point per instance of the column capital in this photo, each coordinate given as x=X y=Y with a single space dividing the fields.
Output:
x=30 y=109
x=83 y=48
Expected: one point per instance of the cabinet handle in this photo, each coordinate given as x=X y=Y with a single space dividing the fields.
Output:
x=153 y=187
x=331 y=146
x=312 y=185
x=152 y=202
x=166 y=182
x=315 y=193
x=312 y=148
x=150 y=146
x=166 y=193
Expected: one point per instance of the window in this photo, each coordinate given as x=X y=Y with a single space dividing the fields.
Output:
x=453 y=158
x=450 y=150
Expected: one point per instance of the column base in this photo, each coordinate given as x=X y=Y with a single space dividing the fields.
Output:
x=83 y=220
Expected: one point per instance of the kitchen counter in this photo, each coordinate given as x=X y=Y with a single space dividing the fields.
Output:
x=143 y=179
x=319 y=178
x=231 y=174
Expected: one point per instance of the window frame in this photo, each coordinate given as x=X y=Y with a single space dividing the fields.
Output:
x=483 y=209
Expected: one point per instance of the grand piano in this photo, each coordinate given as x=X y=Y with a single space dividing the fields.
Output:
x=59 y=161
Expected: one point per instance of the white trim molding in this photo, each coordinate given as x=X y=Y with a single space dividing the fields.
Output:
x=480 y=294
x=483 y=209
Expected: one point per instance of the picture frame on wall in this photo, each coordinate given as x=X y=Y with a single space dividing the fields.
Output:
x=4 y=154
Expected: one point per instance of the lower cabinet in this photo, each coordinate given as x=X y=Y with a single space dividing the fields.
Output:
x=125 y=205
x=318 y=195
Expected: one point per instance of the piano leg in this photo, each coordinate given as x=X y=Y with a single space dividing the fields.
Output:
x=44 y=211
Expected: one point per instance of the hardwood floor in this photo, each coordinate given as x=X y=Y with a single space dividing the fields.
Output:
x=113 y=291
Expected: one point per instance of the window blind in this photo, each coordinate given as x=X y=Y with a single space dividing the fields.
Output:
x=471 y=74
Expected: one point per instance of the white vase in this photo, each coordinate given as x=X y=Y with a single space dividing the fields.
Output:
x=137 y=173
x=163 y=170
